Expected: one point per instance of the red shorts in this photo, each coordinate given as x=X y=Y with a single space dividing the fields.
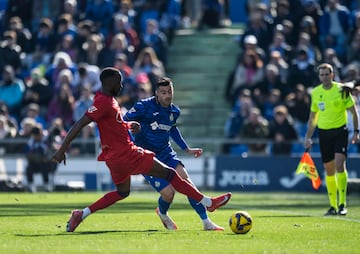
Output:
x=136 y=162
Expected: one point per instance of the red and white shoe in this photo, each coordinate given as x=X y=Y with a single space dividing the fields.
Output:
x=74 y=221
x=219 y=201
x=211 y=226
x=166 y=220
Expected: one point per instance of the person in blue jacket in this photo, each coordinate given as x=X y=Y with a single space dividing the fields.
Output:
x=157 y=116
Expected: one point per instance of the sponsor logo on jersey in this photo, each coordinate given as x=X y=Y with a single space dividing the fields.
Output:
x=92 y=109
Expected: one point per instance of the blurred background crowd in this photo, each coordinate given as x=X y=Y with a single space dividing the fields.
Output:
x=283 y=43
x=51 y=53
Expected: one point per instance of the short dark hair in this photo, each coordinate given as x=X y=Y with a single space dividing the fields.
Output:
x=164 y=81
x=109 y=72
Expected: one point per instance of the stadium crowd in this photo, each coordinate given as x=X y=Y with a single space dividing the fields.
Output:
x=51 y=53
x=283 y=43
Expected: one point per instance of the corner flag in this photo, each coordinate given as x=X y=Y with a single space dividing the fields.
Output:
x=307 y=166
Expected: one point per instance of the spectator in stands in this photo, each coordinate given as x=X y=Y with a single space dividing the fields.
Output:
x=353 y=50
x=23 y=34
x=85 y=29
x=101 y=13
x=282 y=131
x=44 y=44
x=313 y=9
x=283 y=66
x=308 y=25
x=248 y=74
x=355 y=26
x=67 y=45
x=144 y=88
x=350 y=73
x=211 y=14
x=91 y=49
x=37 y=158
x=255 y=127
x=12 y=91
x=122 y=65
x=65 y=77
x=83 y=103
x=26 y=125
x=65 y=26
x=288 y=10
x=44 y=9
x=21 y=9
x=37 y=91
x=127 y=9
x=11 y=121
x=33 y=111
x=240 y=111
x=155 y=39
x=6 y=132
x=119 y=45
x=170 y=19
x=288 y=30
x=122 y=25
x=70 y=7
x=148 y=62
x=302 y=70
x=273 y=100
x=10 y=52
x=329 y=56
x=279 y=44
x=298 y=104
x=314 y=54
x=86 y=75
x=334 y=25
x=62 y=105
x=260 y=30
x=62 y=61
x=250 y=43
x=271 y=81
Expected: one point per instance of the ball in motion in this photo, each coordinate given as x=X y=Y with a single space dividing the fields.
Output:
x=240 y=222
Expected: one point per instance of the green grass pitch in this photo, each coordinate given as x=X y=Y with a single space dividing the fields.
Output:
x=283 y=223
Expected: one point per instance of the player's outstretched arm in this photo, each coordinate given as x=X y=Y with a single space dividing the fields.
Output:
x=59 y=155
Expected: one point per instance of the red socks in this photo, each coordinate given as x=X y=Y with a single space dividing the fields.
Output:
x=107 y=200
x=184 y=187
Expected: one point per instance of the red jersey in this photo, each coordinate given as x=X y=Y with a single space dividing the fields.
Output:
x=114 y=136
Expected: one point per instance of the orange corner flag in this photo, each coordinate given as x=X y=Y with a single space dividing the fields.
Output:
x=307 y=166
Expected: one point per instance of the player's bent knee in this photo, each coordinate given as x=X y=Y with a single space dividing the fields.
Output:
x=171 y=174
x=124 y=194
x=167 y=194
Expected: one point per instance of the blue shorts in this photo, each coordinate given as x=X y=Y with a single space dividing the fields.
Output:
x=169 y=157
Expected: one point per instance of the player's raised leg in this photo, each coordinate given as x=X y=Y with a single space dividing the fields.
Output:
x=159 y=169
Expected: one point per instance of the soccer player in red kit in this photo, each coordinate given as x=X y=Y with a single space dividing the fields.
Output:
x=122 y=157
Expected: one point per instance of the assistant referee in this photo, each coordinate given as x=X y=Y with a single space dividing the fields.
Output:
x=330 y=102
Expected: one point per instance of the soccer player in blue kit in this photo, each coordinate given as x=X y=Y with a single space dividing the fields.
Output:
x=157 y=116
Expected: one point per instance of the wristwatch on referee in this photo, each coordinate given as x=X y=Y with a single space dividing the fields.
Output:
x=356 y=131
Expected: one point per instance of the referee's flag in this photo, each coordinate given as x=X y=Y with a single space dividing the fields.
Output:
x=307 y=166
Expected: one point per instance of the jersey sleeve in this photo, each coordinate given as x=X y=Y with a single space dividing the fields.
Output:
x=98 y=110
x=177 y=137
x=350 y=102
x=136 y=112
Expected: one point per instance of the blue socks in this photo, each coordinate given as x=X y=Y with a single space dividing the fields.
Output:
x=163 y=205
x=199 y=208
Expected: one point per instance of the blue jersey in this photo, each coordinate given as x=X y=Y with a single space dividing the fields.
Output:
x=158 y=124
